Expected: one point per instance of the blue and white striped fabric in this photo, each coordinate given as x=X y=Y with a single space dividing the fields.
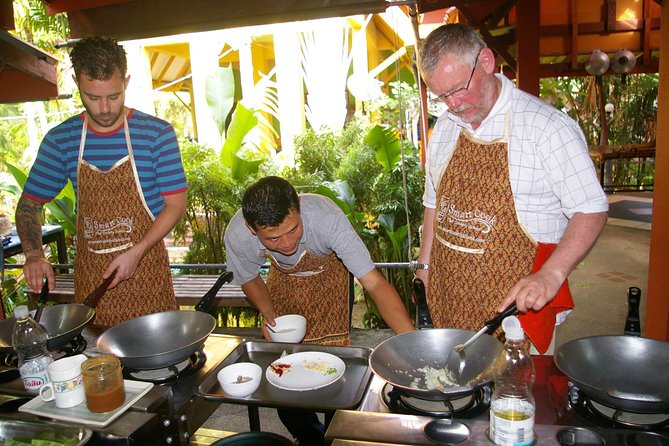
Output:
x=155 y=149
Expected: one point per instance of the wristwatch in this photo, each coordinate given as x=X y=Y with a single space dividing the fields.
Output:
x=418 y=265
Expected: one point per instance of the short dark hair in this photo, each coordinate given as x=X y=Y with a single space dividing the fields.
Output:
x=98 y=57
x=268 y=201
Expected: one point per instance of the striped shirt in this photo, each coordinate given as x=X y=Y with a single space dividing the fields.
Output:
x=552 y=175
x=155 y=150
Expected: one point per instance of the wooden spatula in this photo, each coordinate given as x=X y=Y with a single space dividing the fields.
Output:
x=93 y=298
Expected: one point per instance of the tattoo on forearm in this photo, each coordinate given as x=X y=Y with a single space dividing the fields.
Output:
x=28 y=225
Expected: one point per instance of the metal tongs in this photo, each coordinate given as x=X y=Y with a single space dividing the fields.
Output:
x=489 y=327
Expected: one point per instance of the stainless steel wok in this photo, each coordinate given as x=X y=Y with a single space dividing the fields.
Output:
x=625 y=372
x=162 y=339
x=397 y=360
x=62 y=322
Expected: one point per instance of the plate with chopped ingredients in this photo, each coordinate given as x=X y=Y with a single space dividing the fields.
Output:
x=305 y=371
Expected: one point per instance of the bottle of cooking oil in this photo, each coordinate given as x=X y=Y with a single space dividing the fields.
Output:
x=512 y=406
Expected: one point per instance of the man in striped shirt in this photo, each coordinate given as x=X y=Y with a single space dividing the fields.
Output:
x=127 y=172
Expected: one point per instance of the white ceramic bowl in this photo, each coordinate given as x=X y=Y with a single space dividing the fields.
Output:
x=233 y=379
x=288 y=328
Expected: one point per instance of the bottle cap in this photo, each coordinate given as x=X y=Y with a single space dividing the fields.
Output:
x=21 y=311
x=512 y=328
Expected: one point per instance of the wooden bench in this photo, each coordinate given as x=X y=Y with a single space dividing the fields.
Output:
x=188 y=289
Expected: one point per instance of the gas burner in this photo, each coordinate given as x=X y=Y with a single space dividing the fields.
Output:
x=189 y=365
x=73 y=347
x=9 y=358
x=468 y=406
x=606 y=416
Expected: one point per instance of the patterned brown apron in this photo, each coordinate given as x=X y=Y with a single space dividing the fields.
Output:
x=317 y=288
x=480 y=250
x=111 y=217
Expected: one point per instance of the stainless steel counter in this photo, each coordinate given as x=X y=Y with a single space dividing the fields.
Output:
x=365 y=428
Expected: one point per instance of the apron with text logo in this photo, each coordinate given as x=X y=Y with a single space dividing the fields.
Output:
x=480 y=250
x=112 y=216
x=317 y=288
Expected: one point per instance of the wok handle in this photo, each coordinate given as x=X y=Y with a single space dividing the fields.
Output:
x=43 y=295
x=633 y=323
x=208 y=299
x=640 y=397
x=423 y=318
x=495 y=322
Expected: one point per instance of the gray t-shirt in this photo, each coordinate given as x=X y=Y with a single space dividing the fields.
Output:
x=326 y=230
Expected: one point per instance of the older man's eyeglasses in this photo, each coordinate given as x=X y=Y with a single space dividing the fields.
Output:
x=460 y=92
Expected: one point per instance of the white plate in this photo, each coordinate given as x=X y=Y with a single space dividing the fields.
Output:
x=305 y=371
x=134 y=390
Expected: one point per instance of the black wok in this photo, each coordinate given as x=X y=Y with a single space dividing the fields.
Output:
x=397 y=360
x=625 y=372
x=62 y=322
x=162 y=339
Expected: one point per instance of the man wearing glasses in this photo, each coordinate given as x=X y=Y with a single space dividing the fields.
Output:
x=512 y=200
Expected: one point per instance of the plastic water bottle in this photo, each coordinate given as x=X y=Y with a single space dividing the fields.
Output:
x=512 y=405
x=29 y=341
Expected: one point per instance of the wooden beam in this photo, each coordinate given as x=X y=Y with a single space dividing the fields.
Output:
x=657 y=304
x=573 y=25
x=564 y=69
x=16 y=86
x=600 y=27
x=25 y=58
x=151 y=18
x=645 y=59
x=7 y=15
x=610 y=8
x=490 y=40
x=527 y=46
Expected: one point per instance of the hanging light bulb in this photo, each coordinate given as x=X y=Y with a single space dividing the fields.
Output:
x=597 y=63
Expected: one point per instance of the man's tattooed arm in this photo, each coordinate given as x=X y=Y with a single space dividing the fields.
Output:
x=29 y=228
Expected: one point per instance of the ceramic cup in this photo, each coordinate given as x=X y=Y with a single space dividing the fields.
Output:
x=66 y=386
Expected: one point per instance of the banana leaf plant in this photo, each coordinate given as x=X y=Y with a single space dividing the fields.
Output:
x=60 y=211
x=220 y=92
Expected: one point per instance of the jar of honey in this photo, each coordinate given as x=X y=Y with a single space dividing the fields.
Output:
x=103 y=383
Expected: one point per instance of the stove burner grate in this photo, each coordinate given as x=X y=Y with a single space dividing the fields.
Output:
x=467 y=407
x=73 y=347
x=610 y=417
x=189 y=365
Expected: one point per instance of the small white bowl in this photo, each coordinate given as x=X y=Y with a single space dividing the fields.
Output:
x=289 y=328
x=234 y=379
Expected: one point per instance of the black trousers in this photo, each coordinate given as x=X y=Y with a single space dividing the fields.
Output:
x=304 y=425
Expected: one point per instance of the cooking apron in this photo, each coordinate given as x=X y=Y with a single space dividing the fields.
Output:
x=480 y=250
x=111 y=217
x=317 y=288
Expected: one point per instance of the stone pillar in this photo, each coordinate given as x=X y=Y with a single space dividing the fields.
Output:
x=290 y=91
x=139 y=94
x=204 y=50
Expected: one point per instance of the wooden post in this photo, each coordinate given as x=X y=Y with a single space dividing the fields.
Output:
x=657 y=308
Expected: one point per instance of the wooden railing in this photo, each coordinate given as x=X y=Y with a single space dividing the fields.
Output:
x=613 y=158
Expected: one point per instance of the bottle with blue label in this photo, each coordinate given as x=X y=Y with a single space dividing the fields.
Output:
x=512 y=405
x=29 y=341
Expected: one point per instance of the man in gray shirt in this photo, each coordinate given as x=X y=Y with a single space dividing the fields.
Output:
x=311 y=247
